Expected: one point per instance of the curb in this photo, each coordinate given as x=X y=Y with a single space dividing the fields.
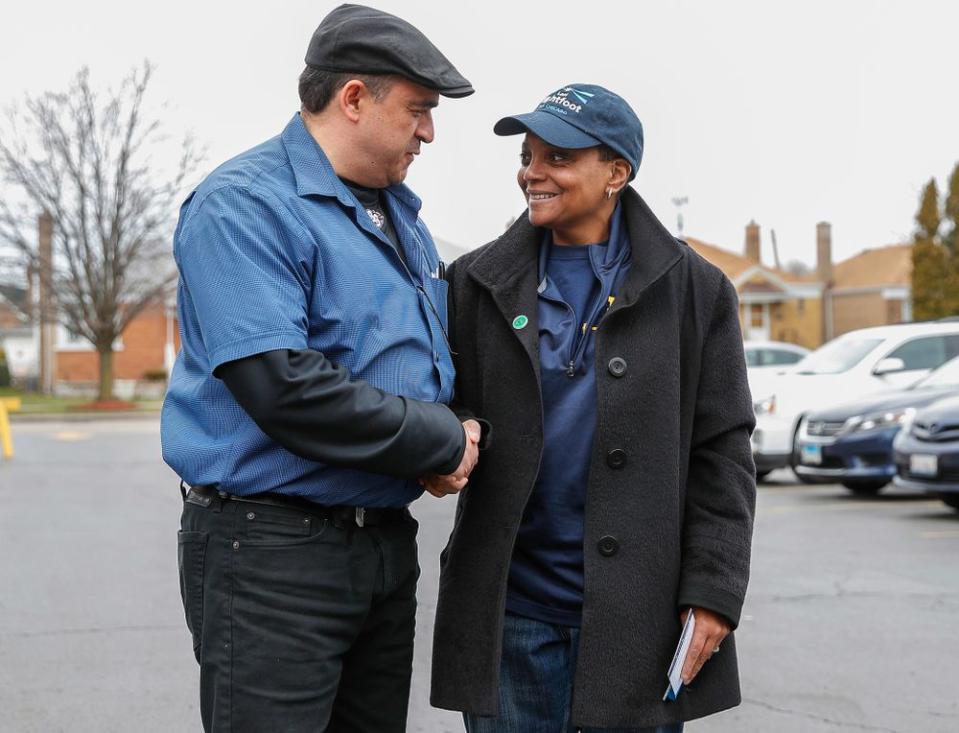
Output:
x=20 y=417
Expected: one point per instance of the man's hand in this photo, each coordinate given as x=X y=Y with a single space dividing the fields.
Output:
x=711 y=629
x=440 y=486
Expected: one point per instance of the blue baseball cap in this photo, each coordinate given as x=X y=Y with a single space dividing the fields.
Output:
x=582 y=116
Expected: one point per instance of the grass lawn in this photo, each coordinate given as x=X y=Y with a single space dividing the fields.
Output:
x=33 y=403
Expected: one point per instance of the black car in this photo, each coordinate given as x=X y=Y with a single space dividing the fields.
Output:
x=927 y=452
x=852 y=443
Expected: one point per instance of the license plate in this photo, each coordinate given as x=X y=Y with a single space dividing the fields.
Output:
x=923 y=465
x=810 y=453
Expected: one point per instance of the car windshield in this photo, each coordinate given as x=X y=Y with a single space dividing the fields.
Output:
x=768 y=356
x=945 y=376
x=837 y=356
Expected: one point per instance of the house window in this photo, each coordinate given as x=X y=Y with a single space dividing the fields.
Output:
x=756 y=315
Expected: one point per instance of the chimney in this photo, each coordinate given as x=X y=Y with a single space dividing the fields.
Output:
x=752 y=242
x=824 y=252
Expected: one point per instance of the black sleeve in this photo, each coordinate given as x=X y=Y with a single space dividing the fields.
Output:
x=721 y=488
x=310 y=406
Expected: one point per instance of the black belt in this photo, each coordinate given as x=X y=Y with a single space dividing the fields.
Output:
x=356 y=516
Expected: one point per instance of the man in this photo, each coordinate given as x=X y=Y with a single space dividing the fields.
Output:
x=309 y=395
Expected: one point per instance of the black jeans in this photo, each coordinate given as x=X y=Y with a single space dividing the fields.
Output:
x=298 y=624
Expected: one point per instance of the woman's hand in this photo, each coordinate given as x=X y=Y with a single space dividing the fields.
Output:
x=711 y=629
x=440 y=486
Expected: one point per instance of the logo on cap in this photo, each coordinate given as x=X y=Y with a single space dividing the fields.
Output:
x=559 y=101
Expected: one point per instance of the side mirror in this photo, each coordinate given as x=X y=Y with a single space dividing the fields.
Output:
x=887 y=366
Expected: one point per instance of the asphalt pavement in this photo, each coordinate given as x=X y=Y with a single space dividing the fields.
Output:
x=849 y=623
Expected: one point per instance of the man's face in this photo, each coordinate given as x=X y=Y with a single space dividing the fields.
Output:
x=392 y=131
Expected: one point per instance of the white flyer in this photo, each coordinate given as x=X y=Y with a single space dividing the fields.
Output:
x=675 y=673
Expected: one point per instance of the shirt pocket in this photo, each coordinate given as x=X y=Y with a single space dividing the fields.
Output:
x=437 y=290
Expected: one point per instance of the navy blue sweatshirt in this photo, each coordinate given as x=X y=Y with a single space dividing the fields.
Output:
x=576 y=283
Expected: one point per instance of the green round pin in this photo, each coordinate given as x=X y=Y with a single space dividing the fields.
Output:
x=520 y=322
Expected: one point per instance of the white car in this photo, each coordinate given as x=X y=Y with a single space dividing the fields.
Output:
x=772 y=355
x=765 y=359
x=855 y=364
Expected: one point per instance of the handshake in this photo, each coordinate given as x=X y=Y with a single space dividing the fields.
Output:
x=453 y=483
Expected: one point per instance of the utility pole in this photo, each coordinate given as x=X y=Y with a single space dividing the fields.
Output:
x=679 y=202
x=776 y=264
x=44 y=287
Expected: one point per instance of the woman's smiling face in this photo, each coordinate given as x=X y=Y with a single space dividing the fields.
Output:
x=565 y=189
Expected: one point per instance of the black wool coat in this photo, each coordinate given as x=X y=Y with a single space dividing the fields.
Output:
x=671 y=493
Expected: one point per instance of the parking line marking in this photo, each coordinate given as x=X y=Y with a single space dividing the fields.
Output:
x=791 y=508
x=71 y=436
x=939 y=534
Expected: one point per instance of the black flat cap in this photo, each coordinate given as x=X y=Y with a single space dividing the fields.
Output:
x=358 y=39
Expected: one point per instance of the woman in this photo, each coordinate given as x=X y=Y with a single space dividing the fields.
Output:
x=618 y=488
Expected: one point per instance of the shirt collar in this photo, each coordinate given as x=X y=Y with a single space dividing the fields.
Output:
x=315 y=175
x=604 y=260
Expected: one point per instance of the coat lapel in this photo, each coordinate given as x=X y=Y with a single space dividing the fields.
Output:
x=508 y=270
x=655 y=250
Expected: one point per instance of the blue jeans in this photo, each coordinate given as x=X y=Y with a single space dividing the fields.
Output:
x=536 y=682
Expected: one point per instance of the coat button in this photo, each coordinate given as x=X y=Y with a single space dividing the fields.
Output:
x=617 y=366
x=608 y=546
x=616 y=458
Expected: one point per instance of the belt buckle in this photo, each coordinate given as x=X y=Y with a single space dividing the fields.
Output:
x=360 y=516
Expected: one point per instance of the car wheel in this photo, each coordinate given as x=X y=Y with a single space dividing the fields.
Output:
x=950 y=500
x=864 y=488
x=760 y=475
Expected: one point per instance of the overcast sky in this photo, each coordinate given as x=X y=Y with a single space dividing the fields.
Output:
x=786 y=113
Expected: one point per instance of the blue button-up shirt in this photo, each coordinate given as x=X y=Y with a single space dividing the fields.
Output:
x=274 y=252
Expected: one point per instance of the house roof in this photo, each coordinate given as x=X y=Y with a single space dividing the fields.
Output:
x=734 y=265
x=878 y=267
x=730 y=263
x=15 y=296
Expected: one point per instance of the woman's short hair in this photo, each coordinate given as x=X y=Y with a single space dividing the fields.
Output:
x=607 y=153
x=318 y=86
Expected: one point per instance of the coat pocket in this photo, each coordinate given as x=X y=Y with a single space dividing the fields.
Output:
x=191 y=559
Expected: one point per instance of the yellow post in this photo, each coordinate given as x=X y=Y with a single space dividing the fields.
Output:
x=7 y=405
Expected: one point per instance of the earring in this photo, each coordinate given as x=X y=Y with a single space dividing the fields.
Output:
x=609 y=193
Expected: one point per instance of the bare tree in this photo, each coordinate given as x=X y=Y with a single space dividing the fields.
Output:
x=85 y=158
x=797 y=267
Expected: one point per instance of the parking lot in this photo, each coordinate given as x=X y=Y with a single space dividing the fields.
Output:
x=849 y=622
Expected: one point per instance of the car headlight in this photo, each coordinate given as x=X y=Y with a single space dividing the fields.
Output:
x=765 y=406
x=880 y=420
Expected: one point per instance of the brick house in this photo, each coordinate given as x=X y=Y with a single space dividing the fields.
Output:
x=145 y=349
x=773 y=304
x=870 y=289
